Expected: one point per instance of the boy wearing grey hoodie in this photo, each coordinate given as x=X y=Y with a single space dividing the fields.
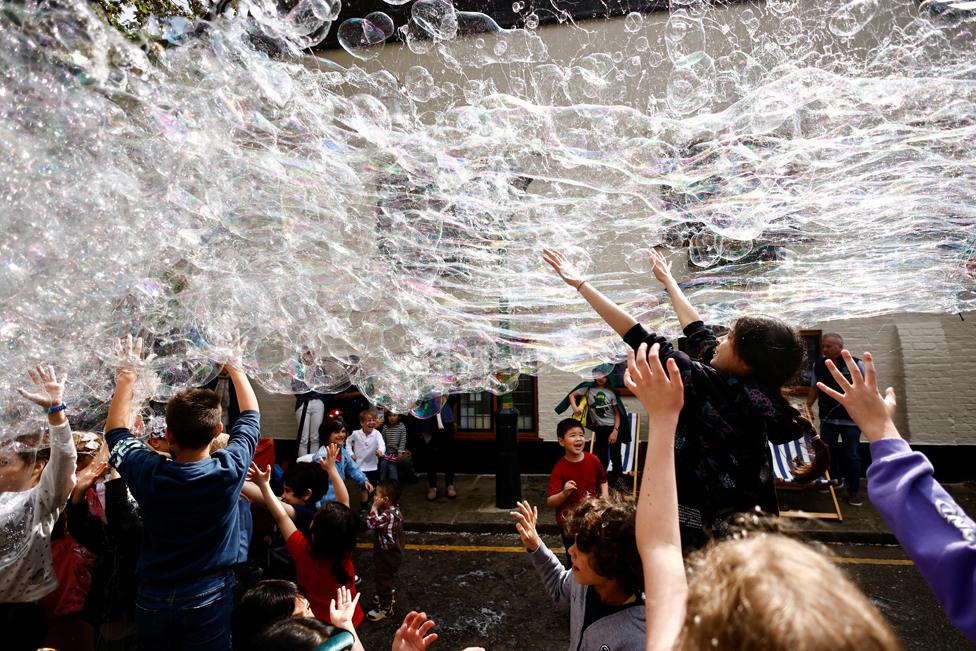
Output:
x=603 y=586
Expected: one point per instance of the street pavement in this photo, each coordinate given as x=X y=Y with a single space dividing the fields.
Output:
x=482 y=591
x=464 y=568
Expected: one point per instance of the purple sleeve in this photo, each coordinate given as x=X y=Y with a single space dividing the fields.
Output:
x=935 y=532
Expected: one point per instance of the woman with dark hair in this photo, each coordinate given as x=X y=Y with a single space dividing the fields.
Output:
x=733 y=404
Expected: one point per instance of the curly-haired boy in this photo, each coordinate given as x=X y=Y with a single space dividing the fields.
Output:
x=603 y=587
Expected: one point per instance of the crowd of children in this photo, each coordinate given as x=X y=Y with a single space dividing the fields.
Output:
x=163 y=545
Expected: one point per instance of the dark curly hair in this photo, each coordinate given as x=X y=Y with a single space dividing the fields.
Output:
x=604 y=528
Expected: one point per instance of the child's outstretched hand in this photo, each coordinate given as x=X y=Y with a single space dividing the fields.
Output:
x=87 y=478
x=662 y=394
x=235 y=353
x=860 y=397
x=259 y=477
x=343 y=608
x=48 y=389
x=328 y=462
x=661 y=267
x=414 y=633
x=566 y=270
x=526 y=519
x=129 y=357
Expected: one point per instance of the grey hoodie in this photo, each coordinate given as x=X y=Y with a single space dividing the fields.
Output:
x=622 y=631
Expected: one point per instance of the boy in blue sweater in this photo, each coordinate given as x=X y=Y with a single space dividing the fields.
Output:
x=189 y=504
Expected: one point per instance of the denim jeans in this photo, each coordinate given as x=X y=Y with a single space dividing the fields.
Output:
x=195 y=614
x=388 y=470
x=845 y=461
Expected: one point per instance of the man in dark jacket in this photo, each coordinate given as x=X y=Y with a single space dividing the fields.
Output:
x=836 y=427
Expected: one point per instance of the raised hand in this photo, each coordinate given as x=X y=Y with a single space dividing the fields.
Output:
x=328 y=462
x=414 y=633
x=861 y=398
x=48 y=389
x=86 y=478
x=661 y=267
x=258 y=476
x=235 y=355
x=569 y=487
x=526 y=519
x=662 y=394
x=566 y=269
x=343 y=608
x=128 y=358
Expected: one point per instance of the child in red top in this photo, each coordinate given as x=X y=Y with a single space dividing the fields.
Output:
x=323 y=560
x=575 y=476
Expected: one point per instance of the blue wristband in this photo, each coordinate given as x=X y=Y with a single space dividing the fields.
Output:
x=56 y=408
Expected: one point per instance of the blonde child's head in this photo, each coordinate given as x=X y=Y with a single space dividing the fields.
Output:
x=767 y=591
x=220 y=442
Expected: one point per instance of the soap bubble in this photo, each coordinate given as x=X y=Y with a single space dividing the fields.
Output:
x=428 y=408
x=382 y=21
x=638 y=260
x=387 y=215
x=633 y=21
x=532 y=21
x=362 y=38
x=684 y=36
x=437 y=18
x=851 y=18
x=419 y=84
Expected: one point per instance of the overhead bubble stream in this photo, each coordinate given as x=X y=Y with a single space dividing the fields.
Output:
x=383 y=207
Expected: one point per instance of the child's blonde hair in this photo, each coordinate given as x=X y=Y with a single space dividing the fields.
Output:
x=767 y=591
x=219 y=443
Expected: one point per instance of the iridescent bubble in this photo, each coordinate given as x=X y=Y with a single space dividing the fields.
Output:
x=419 y=84
x=705 y=249
x=684 y=37
x=633 y=21
x=638 y=260
x=437 y=18
x=690 y=88
x=361 y=38
x=428 y=408
x=733 y=250
x=382 y=21
x=847 y=20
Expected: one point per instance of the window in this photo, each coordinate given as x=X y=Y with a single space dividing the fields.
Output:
x=524 y=399
x=476 y=411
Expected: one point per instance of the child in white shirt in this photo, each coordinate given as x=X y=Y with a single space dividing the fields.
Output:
x=366 y=447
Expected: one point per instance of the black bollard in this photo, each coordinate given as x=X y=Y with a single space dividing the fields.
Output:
x=508 y=479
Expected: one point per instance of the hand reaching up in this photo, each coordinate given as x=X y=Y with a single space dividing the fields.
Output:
x=414 y=633
x=48 y=389
x=259 y=477
x=861 y=398
x=661 y=268
x=526 y=520
x=128 y=358
x=328 y=462
x=342 y=609
x=566 y=269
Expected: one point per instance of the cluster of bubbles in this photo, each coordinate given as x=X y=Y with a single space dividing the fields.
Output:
x=374 y=215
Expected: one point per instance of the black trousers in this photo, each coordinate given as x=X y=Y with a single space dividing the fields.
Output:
x=605 y=451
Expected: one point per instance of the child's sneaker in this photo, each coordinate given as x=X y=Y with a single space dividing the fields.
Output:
x=379 y=613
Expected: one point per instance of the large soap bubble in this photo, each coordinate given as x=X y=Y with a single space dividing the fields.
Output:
x=374 y=216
